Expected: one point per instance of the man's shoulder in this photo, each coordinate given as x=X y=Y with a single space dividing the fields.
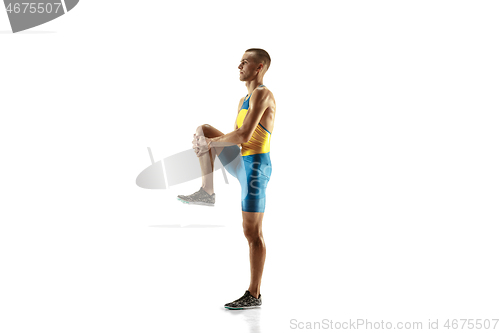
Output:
x=262 y=93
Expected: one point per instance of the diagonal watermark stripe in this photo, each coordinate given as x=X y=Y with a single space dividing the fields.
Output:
x=175 y=169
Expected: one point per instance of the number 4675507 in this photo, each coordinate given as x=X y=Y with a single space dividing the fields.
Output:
x=33 y=8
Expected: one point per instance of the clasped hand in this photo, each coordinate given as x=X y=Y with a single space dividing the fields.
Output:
x=201 y=144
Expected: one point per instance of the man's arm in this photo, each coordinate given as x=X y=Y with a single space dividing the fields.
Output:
x=259 y=101
x=230 y=139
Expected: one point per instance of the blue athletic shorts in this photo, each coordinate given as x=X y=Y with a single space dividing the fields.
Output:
x=253 y=173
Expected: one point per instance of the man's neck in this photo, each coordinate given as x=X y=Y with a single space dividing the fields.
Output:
x=251 y=85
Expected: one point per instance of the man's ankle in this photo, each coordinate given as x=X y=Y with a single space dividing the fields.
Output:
x=254 y=294
x=209 y=191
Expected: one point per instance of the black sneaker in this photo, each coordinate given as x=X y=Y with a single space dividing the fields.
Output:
x=200 y=197
x=246 y=301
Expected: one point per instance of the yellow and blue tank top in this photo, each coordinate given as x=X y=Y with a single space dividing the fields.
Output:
x=260 y=141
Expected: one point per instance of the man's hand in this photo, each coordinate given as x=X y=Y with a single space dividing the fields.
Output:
x=201 y=144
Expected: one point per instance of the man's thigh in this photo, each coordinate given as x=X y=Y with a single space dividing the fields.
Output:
x=209 y=131
x=252 y=217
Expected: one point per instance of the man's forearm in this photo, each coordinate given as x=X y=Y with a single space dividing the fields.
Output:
x=230 y=139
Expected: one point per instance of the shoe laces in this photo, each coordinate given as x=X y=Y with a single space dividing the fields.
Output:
x=242 y=297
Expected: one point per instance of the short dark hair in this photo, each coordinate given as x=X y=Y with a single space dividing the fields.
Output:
x=261 y=56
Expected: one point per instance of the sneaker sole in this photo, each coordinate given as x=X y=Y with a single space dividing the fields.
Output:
x=246 y=307
x=196 y=202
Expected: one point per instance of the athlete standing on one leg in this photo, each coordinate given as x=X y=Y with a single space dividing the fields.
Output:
x=244 y=153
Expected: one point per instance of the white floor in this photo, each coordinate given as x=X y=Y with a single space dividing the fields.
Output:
x=171 y=267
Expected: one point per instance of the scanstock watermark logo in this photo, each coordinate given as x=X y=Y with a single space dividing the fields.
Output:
x=24 y=15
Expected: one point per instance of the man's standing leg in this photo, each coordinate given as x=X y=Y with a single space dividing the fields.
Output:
x=252 y=227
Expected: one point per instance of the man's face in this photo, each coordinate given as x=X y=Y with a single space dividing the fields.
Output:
x=247 y=67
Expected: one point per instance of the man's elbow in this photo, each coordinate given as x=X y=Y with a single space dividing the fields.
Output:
x=244 y=136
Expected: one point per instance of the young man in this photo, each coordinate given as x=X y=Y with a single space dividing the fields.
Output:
x=244 y=153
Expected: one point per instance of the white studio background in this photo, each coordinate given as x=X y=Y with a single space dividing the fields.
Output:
x=382 y=205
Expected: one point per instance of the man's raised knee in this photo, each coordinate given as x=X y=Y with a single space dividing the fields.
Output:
x=200 y=130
